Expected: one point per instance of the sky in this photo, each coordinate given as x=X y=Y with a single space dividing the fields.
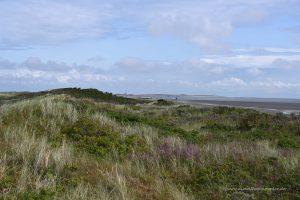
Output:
x=218 y=47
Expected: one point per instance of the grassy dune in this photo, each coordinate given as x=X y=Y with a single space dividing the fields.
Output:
x=6 y=94
x=64 y=146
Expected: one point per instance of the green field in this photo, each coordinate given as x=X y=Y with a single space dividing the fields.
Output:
x=85 y=144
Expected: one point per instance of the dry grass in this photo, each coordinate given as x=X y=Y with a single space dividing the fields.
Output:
x=7 y=94
x=85 y=191
x=32 y=156
x=3 y=165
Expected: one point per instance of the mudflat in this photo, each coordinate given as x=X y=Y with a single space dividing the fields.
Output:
x=288 y=107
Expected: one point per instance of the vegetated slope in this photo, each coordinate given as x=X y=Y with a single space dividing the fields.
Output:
x=62 y=147
x=74 y=92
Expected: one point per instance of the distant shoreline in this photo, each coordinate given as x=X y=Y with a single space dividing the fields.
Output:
x=270 y=105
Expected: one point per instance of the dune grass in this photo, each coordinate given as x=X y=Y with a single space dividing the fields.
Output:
x=65 y=147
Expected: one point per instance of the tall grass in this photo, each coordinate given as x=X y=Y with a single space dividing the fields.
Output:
x=39 y=161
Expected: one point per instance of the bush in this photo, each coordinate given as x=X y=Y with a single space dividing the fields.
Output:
x=248 y=122
x=41 y=195
x=223 y=110
x=162 y=102
x=102 y=140
x=288 y=143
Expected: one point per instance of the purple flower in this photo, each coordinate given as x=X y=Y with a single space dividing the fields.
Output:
x=166 y=150
x=184 y=151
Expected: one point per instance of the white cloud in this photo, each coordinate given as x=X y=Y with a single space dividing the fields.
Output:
x=274 y=84
x=256 y=84
x=267 y=51
x=34 y=69
x=204 y=23
x=254 y=71
x=255 y=62
x=29 y=74
x=208 y=23
x=286 y=64
x=210 y=66
x=185 y=67
x=193 y=24
x=137 y=75
x=228 y=82
x=30 y=22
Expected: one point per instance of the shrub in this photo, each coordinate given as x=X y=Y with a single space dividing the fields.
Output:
x=102 y=140
x=248 y=122
x=288 y=142
x=223 y=110
x=162 y=102
x=43 y=194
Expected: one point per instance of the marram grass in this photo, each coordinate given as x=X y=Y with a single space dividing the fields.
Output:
x=64 y=147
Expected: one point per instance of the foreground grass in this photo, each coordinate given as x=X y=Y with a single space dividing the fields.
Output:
x=62 y=147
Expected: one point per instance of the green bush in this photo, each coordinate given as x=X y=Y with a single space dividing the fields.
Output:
x=43 y=194
x=288 y=142
x=223 y=110
x=248 y=122
x=102 y=140
x=162 y=102
x=229 y=174
x=124 y=117
x=6 y=182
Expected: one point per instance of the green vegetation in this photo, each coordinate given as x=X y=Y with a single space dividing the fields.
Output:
x=93 y=94
x=85 y=144
x=89 y=136
x=162 y=102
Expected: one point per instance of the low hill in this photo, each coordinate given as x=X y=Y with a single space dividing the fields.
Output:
x=90 y=93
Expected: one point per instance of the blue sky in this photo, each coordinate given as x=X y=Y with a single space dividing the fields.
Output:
x=220 y=47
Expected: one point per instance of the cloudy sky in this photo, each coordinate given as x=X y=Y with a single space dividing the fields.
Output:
x=220 y=47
